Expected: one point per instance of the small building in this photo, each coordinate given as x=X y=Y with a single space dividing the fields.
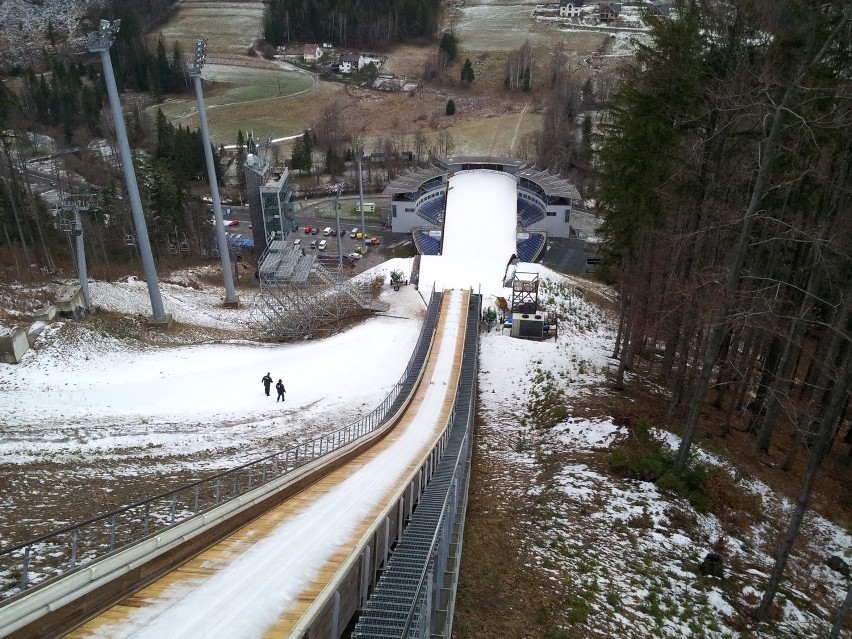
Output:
x=13 y=345
x=570 y=8
x=351 y=62
x=609 y=11
x=312 y=52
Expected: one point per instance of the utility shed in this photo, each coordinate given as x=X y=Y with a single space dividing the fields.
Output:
x=13 y=345
x=70 y=302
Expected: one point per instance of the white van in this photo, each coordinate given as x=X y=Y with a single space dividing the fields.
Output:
x=322 y=245
x=326 y=231
x=354 y=233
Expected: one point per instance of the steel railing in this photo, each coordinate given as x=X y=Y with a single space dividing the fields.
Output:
x=407 y=593
x=52 y=555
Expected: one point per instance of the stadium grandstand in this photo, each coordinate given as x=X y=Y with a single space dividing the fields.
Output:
x=505 y=194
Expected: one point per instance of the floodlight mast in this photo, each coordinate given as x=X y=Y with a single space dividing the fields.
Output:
x=194 y=70
x=339 y=235
x=81 y=260
x=99 y=42
x=361 y=200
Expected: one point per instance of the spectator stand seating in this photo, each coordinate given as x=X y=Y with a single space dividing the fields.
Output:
x=426 y=244
x=431 y=210
x=529 y=212
x=530 y=248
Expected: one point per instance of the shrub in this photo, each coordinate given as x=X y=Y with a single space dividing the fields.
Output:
x=451 y=107
x=641 y=455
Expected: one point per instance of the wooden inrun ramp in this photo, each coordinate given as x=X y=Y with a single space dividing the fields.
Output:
x=261 y=580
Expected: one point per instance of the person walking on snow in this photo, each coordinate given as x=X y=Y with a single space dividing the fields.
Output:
x=266 y=380
x=281 y=390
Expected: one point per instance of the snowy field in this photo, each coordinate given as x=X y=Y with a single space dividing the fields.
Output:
x=103 y=410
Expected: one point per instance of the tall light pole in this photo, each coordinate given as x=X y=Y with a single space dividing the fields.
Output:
x=81 y=259
x=339 y=236
x=194 y=70
x=361 y=200
x=99 y=42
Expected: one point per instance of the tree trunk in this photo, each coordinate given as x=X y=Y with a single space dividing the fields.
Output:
x=842 y=614
x=757 y=406
x=826 y=433
x=784 y=381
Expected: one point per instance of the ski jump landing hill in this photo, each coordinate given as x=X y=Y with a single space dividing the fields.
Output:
x=361 y=524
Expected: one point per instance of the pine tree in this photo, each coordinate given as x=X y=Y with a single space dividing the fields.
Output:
x=467 y=71
x=450 y=45
x=451 y=107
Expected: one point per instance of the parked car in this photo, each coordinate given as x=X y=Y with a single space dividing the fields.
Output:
x=326 y=231
x=354 y=256
x=314 y=230
x=333 y=232
x=297 y=242
x=353 y=233
x=307 y=230
x=313 y=244
x=321 y=246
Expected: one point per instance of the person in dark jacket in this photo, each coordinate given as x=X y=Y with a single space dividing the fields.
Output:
x=281 y=390
x=266 y=380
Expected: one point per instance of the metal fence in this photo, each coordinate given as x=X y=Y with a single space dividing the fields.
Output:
x=50 y=556
x=407 y=597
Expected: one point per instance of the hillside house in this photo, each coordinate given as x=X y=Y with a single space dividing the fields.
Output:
x=351 y=62
x=659 y=10
x=609 y=11
x=570 y=8
x=312 y=52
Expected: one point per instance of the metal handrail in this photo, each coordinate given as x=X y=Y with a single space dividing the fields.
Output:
x=143 y=518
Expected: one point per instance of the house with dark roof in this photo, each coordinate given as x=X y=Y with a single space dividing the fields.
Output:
x=351 y=62
x=659 y=10
x=570 y=8
x=609 y=11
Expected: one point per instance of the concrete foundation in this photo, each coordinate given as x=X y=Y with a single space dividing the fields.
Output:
x=35 y=330
x=70 y=302
x=13 y=345
x=45 y=314
x=167 y=322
